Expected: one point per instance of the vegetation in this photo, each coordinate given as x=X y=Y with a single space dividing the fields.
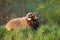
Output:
x=44 y=32
x=50 y=17
x=48 y=9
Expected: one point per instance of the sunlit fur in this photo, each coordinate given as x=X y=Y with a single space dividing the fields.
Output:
x=23 y=22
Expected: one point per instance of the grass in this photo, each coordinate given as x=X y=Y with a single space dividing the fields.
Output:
x=45 y=32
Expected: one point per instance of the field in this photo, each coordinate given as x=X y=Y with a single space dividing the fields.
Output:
x=44 y=32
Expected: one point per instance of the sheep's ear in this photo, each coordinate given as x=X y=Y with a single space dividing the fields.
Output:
x=29 y=19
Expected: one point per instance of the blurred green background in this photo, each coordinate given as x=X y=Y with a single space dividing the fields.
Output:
x=48 y=9
x=50 y=19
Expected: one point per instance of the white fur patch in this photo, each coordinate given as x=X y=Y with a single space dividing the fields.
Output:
x=29 y=19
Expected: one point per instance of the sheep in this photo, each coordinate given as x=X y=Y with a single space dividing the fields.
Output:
x=29 y=21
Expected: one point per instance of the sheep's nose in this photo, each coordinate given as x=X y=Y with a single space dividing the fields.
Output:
x=36 y=18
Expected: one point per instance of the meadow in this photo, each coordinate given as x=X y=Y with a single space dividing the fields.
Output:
x=50 y=15
x=44 y=32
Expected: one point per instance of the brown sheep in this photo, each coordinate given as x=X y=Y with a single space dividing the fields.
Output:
x=30 y=21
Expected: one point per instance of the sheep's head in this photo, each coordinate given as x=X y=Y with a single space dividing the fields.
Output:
x=32 y=16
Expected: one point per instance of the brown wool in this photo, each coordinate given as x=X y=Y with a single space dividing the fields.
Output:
x=22 y=23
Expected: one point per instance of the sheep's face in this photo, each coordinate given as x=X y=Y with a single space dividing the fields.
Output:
x=32 y=16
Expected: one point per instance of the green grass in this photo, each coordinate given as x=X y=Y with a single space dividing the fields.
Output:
x=45 y=32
